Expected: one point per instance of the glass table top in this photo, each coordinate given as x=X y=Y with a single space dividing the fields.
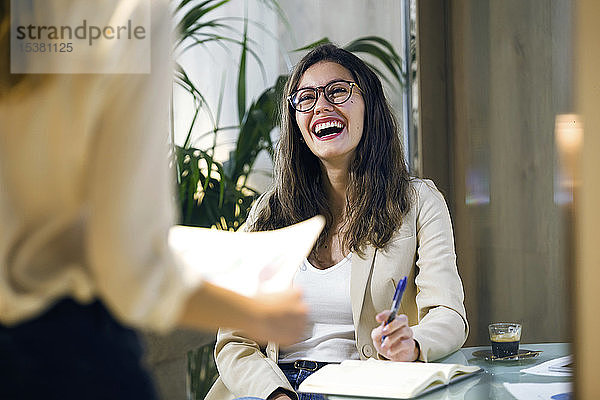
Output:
x=490 y=383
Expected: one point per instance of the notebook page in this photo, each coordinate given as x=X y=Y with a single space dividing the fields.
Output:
x=387 y=380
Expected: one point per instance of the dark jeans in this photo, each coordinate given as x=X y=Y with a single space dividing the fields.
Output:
x=72 y=351
x=298 y=372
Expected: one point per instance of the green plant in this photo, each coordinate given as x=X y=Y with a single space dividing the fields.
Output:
x=202 y=371
x=217 y=194
x=213 y=193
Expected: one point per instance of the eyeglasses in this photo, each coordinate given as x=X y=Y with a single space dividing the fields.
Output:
x=336 y=92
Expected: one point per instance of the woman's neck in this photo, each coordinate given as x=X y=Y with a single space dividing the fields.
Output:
x=336 y=184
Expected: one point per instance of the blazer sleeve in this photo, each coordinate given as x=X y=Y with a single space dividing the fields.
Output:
x=245 y=369
x=442 y=326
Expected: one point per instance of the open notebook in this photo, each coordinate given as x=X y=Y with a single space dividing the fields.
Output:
x=384 y=379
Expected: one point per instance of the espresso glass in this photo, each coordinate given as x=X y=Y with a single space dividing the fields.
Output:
x=505 y=338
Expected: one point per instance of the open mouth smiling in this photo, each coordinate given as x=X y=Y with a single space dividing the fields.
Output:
x=328 y=129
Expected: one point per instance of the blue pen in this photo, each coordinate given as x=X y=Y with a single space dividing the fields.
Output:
x=396 y=302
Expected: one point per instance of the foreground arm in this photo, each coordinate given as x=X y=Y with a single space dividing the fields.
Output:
x=278 y=317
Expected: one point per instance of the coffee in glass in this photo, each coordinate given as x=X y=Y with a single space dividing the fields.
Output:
x=505 y=338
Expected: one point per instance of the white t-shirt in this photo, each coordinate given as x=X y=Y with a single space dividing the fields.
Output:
x=329 y=336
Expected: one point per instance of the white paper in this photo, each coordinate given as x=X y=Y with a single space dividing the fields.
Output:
x=538 y=391
x=551 y=368
x=246 y=262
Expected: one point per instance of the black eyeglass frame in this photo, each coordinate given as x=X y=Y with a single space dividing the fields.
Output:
x=322 y=89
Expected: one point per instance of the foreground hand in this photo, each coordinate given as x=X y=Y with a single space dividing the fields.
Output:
x=399 y=344
x=280 y=317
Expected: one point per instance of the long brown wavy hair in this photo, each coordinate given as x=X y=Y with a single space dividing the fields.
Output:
x=377 y=197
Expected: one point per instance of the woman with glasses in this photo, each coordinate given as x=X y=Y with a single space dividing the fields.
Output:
x=340 y=155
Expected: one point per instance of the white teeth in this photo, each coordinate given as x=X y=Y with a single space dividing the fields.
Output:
x=328 y=124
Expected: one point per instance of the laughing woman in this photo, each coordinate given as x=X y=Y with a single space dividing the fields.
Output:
x=340 y=156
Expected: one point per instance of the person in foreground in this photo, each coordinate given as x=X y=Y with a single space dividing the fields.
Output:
x=85 y=207
x=340 y=155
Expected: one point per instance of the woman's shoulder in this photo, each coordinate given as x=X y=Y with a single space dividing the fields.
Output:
x=425 y=191
x=258 y=204
x=417 y=183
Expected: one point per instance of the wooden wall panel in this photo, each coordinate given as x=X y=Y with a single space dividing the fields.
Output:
x=508 y=76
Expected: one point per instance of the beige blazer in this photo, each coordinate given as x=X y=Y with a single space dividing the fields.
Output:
x=423 y=250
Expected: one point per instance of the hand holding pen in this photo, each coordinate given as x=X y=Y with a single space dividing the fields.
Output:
x=395 y=303
x=393 y=339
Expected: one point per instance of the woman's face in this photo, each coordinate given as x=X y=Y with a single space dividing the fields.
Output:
x=331 y=131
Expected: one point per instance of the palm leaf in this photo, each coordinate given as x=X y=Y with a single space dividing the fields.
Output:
x=194 y=14
x=314 y=44
x=255 y=132
x=241 y=87
x=390 y=60
x=377 y=47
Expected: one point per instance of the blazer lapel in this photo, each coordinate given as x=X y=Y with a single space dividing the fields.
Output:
x=361 y=270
